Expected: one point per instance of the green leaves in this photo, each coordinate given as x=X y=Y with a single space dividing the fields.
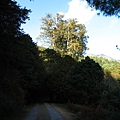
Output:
x=66 y=36
x=112 y=66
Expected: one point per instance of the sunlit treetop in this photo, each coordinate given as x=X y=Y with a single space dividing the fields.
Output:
x=67 y=37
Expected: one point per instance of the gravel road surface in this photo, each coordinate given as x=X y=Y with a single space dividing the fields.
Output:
x=53 y=113
x=33 y=115
x=43 y=112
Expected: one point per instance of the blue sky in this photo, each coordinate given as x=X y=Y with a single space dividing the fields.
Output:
x=103 y=32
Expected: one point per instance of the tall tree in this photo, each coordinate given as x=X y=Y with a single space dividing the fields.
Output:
x=66 y=36
x=11 y=17
x=15 y=48
x=30 y=65
x=107 y=7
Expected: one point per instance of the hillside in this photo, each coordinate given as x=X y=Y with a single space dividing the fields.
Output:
x=108 y=64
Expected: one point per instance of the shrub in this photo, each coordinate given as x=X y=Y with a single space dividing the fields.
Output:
x=84 y=80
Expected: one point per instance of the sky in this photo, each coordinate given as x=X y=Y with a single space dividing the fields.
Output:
x=103 y=32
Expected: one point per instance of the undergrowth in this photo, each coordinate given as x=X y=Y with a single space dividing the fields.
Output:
x=80 y=112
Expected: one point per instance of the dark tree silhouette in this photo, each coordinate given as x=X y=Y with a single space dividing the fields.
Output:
x=21 y=69
x=107 y=7
x=84 y=81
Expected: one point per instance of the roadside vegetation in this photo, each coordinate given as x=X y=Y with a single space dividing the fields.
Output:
x=88 y=87
x=80 y=112
x=21 y=115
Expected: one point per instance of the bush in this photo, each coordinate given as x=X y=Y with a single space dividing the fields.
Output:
x=11 y=95
x=84 y=80
x=110 y=98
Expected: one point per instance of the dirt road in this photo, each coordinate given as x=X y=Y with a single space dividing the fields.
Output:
x=44 y=112
x=33 y=115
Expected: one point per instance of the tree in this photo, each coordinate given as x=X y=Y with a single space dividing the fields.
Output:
x=113 y=66
x=11 y=17
x=84 y=82
x=67 y=37
x=57 y=82
x=107 y=7
x=50 y=58
x=11 y=93
x=31 y=69
x=22 y=72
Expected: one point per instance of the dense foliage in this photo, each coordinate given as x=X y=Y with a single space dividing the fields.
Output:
x=107 y=7
x=22 y=70
x=11 y=17
x=84 y=80
x=58 y=79
x=57 y=68
x=113 y=66
x=110 y=98
x=67 y=37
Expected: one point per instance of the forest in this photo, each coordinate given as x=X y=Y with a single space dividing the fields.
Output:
x=58 y=74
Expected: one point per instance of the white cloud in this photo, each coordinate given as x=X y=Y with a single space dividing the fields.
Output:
x=113 y=23
x=80 y=10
